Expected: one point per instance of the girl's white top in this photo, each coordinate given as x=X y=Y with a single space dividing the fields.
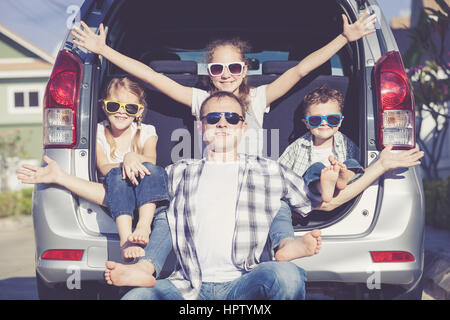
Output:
x=253 y=141
x=147 y=131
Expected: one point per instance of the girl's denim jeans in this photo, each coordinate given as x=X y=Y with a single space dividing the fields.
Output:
x=122 y=197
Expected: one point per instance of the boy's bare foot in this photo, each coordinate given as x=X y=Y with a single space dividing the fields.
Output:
x=332 y=160
x=305 y=246
x=134 y=275
x=345 y=176
x=140 y=235
x=328 y=179
x=131 y=250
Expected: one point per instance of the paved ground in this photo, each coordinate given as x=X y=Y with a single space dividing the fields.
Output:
x=17 y=273
x=437 y=263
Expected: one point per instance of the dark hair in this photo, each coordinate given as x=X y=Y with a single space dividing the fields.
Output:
x=243 y=47
x=221 y=95
x=322 y=94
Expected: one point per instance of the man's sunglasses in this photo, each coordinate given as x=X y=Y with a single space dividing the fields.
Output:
x=333 y=120
x=131 y=109
x=231 y=117
x=217 y=69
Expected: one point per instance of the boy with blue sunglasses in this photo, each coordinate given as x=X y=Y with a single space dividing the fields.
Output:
x=325 y=157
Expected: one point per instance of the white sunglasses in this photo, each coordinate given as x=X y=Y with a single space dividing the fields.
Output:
x=235 y=68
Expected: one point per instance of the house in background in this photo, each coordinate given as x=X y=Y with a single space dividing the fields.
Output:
x=24 y=72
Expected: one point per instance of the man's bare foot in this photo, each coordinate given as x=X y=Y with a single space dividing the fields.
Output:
x=134 y=275
x=131 y=250
x=305 y=246
x=344 y=177
x=328 y=180
x=140 y=235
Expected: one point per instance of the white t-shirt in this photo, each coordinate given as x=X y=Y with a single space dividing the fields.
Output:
x=253 y=141
x=147 y=131
x=322 y=154
x=215 y=221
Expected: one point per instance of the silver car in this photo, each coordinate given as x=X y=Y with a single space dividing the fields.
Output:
x=372 y=246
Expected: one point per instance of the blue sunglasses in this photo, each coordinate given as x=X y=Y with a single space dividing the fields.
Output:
x=231 y=117
x=333 y=120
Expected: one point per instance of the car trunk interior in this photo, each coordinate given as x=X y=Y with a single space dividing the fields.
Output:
x=177 y=31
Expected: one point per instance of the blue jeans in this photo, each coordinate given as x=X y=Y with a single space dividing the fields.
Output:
x=159 y=244
x=312 y=174
x=271 y=280
x=122 y=197
x=281 y=227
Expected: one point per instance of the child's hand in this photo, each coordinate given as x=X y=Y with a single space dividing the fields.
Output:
x=32 y=174
x=358 y=29
x=133 y=168
x=404 y=159
x=89 y=40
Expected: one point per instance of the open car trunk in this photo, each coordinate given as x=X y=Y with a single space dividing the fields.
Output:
x=170 y=37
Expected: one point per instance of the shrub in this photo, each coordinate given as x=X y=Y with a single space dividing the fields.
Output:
x=9 y=203
x=437 y=202
x=16 y=202
x=26 y=202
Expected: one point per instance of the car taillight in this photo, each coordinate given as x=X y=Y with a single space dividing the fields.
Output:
x=395 y=103
x=391 y=256
x=61 y=102
x=63 y=254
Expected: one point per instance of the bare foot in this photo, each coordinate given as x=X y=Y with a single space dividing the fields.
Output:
x=345 y=176
x=131 y=250
x=134 y=275
x=140 y=235
x=332 y=160
x=328 y=180
x=305 y=246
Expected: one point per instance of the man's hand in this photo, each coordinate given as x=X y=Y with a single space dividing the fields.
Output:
x=357 y=30
x=30 y=174
x=405 y=159
x=89 y=40
x=387 y=160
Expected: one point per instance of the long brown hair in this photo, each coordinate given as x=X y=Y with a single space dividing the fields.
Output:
x=242 y=47
x=133 y=87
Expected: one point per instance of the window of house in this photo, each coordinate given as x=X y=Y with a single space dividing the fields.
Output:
x=25 y=99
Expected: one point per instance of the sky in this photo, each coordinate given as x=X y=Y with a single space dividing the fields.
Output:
x=43 y=22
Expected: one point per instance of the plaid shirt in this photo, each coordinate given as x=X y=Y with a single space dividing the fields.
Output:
x=297 y=155
x=261 y=184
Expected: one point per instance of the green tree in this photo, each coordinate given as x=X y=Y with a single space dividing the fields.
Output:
x=430 y=82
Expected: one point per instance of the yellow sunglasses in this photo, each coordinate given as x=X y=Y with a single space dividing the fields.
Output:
x=130 y=108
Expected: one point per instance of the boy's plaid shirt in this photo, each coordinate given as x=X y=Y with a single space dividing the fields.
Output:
x=262 y=183
x=297 y=155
